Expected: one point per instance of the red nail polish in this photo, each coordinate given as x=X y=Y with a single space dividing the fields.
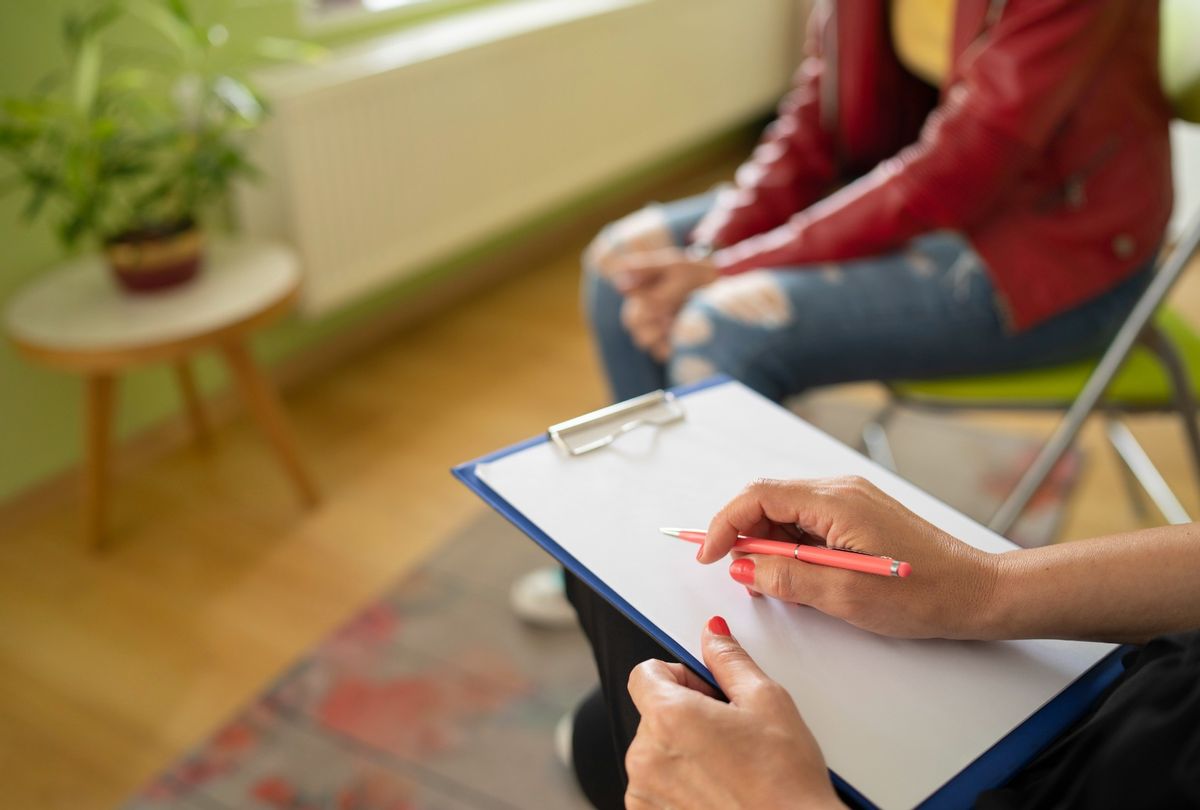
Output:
x=718 y=627
x=742 y=570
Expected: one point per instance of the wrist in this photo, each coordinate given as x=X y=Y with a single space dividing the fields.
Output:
x=992 y=618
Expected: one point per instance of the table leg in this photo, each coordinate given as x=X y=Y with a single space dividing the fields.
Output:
x=263 y=404
x=191 y=402
x=97 y=423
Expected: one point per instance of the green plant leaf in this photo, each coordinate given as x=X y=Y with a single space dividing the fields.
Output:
x=180 y=10
x=105 y=148
x=177 y=30
x=87 y=75
x=289 y=50
x=77 y=28
x=127 y=80
x=37 y=200
x=238 y=98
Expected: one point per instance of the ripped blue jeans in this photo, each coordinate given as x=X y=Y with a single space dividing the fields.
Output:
x=926 y=311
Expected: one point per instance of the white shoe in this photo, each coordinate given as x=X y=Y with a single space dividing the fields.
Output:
x=539 y=598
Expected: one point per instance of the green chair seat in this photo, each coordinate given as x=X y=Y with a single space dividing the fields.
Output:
x=1141 y=383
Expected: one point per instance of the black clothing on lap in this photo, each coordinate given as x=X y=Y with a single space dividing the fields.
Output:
x=1139 y=747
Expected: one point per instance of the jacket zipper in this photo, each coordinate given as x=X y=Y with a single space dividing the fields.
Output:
x=995 y=9
x=1074 y=188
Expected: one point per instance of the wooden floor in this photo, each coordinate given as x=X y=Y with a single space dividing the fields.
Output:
x=112 y=665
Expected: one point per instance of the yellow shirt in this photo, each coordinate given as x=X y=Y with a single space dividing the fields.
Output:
x=922 y=32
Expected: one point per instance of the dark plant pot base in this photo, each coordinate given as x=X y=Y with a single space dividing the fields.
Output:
x=152 y=260
x=160 y=278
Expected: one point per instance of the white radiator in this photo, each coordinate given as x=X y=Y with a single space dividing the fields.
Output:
x=392 y=155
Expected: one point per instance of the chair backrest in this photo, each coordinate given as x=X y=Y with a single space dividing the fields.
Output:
x=1179 y=58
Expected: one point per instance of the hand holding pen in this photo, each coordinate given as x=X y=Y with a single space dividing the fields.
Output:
x=949 y=582
x=814 y=555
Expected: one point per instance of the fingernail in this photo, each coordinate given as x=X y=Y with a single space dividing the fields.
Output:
x=700 y=553
x=754 y=593
x=718 y=627
x=742 y=570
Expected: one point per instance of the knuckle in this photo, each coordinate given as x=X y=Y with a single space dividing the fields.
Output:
x=640 y=763
x=764 y=486
x=635 y=675
x=727 y=655
x=864 y=486
x=768 y=692
x=842 y=605
x=667 y=718
x=779 y=578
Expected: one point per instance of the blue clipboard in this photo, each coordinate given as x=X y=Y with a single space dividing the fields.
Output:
x=990 y=770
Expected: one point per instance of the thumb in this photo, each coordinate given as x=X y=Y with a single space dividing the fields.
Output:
x=641 y=270
x=631 y=277
x=734 y=669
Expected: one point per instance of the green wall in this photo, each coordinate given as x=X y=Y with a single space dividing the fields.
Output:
x=40 y=417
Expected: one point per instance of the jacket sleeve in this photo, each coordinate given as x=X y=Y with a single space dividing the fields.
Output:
x=1017 y=83
x=792 y=166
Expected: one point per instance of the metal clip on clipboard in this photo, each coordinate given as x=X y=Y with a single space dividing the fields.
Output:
x=603 y=427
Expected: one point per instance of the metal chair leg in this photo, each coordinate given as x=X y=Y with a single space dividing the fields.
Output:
x=1051 y=453
x=1181 y=381
x=1139 y=464
x=875 y=442
x=1110 y=363
x=1133 y=487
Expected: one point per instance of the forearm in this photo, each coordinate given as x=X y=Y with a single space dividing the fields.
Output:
x=1124 y=588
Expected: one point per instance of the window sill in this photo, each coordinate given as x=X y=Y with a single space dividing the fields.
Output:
x=317 y=23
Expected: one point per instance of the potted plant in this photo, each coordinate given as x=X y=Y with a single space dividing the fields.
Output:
x=132 y=151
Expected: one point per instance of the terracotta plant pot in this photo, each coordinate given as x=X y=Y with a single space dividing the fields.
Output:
x=151 y=259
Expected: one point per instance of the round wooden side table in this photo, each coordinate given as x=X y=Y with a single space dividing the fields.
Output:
x=76 y=318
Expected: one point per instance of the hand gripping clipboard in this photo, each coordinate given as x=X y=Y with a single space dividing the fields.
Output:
x=626 y=437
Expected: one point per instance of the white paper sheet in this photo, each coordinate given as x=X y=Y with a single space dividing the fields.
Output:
x=896 y=719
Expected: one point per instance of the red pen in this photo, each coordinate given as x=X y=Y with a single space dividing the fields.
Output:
x=818 y=555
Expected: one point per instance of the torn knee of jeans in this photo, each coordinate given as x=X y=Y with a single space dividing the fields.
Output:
x=692 y=328
x=920 y=262
x=690 y=368
x=832 y=273
x=965 y=268
x=755 y=298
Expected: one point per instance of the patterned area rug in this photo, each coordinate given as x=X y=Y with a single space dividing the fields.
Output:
x=436 y=697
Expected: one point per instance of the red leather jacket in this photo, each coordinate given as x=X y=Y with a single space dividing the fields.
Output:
x=1047 y=147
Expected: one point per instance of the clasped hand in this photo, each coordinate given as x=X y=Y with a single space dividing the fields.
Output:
x=655 y=285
